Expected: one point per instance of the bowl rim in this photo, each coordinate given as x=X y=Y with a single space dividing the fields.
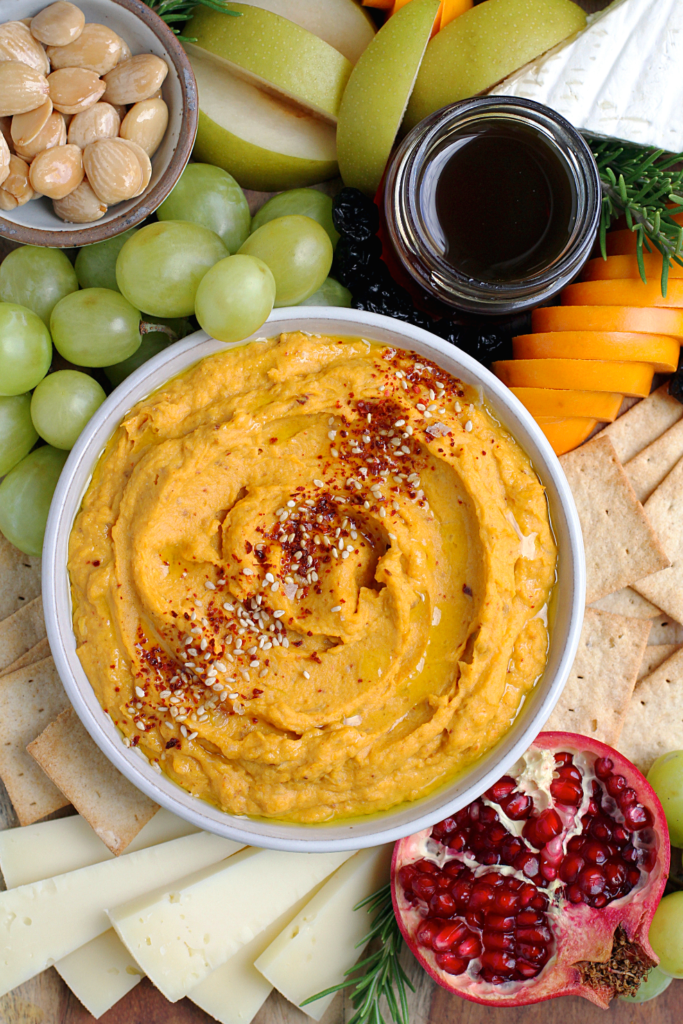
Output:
x=76 y=476
x=147 y=202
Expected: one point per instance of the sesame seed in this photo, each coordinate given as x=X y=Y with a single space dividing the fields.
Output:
x=183 y=730
x=382 y=513
x=421 y=407
x=191 y=736
x=209 y=585
x=275 y=586
x=468 y=425
x=254 y=664
x=204 y=644
x=140 y=692
x=337 y=608
x=291 y=504
x=334 y=452
x=307 y=675
x=233 y=696
x=248 y=572
x=278 y=614
x=318 y=483
x=141 y=726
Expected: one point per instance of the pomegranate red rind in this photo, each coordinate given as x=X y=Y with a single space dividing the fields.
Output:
x=541 y=890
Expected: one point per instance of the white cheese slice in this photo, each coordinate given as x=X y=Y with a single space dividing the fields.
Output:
x=46 y=920
x=100 y=973
x=319 y=945
x=180 y=935
x=50 y=848
x=622 y=76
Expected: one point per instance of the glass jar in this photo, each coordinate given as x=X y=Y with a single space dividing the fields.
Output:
x=538 y=152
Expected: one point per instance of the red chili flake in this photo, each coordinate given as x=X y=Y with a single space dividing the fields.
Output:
x=273 y=440
x=95 y=562
x=466 y=590
x=172 y=743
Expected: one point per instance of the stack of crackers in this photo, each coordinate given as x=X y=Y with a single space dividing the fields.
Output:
x=626 y=684
x=47 y=759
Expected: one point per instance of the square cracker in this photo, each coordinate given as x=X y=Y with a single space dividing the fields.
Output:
x=21 y=631
x=627 y=602
x=649 y=467
x=654 y=721
x=665 y=630
x=111 y=805
x=655 y=655
x=29 y=699
x=19 y=578
x=643 y=423
x=36 y=653
x=621 y=545
x=597 y=693
x=664 y=510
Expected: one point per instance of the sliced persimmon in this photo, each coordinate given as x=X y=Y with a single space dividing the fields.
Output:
x=660 y=350
x=598 y=405
x=623 y=267
x=566 y=434
x=609 y=318
x=623 y=292
x=577 y=375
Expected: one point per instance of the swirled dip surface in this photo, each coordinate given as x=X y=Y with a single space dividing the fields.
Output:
x=307 y=578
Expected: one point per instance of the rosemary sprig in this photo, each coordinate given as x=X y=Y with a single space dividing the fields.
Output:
x=644 y=185
x=382 y=974
x=173 y=11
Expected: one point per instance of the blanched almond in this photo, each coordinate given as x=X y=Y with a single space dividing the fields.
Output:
x=125 y=52
x=74 y=89
x=6 y=130
x=4 y=158
x=17 y=181
x=17 y=43
x=21 y=88
x=98 y=122
x=25 y=127
x=146 y=123
x=97 y=49
x=136 y=79
x=113 y=170
x=144 y=161
x=57 y=172
x=58 y=24
x=81 y=206
x=7 y=201
x=53 y=134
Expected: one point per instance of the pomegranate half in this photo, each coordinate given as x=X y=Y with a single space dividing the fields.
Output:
x=543 y=887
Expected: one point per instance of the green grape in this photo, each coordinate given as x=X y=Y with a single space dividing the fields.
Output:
x=235 y=298
x=209 y=196
x=308 y=202
x=666 y=934
x=299 y=253
x=330 y=293
x=153 y=342
x=37 y=278
x=25 y=496
x=95 y=326
x=96 y=264
x=25 y=349
x=653 y=986
x=17 y=433
x=62 y=404
x=666 y=778
x=160 y=268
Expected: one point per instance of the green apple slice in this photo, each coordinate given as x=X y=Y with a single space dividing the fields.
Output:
x=378 y=91
x=265 y=144
x=485 y=45
x=275 y=54
x=341 y=23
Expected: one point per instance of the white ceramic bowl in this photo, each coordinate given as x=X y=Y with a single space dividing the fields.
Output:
x=375 y=829
x=36 y=223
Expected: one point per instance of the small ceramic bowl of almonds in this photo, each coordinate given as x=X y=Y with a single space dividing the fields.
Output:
x=98 y=115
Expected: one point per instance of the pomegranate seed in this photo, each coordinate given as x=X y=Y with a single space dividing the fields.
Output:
x=475 y=918
x=564 y=758
x=615 y=873
x=649 y=860
x=629 y=854
x=633 y=877
x=490 y=857
x=450 y=963
x=599 y=901
x=529 y=917
x=620 y=835
x=443 y=883
x=448 y=935
x=627 y=798
x=482 y=896
x=498 y=960
x=487 y=815
x=566 y=791
x=426 y=867
x=454 y=869
x=442 y=905
x=570 y=867
x=576 y=844
x=501 y=789
x=540 y=901
x=462 y=816
x=570 y=771
x=474 y=810
x=424 y=887
x=533 y=953
x=461 y=891
x=536 y=936
x=591 y=881
x=615 y=784
x=515 y=884
x=496 y=834
x=596 y=853
x=517 y=806
x=548 y=871
x=601 y=830
x=528 y=864
x=492 y=878
x=469 y=947
x=444 y=827
x=500 y=923
x=426 y=931
x=406 y=876
x=511 y=848
x=526 y=969
x=603 y=767
x=457 y=842
x=574 y=894
x=637 y=818
x=505 y=902
x=498 y=940
x=542 y=829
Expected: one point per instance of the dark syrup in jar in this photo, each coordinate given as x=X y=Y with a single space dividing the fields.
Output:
x=501 y=203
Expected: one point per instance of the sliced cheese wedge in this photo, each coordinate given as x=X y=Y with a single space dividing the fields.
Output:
x=620 y=77
x=100 y=973
x=46 y=920
x=319 y=945
x=179 y=935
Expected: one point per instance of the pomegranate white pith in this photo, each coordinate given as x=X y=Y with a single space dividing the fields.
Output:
x=545 y=886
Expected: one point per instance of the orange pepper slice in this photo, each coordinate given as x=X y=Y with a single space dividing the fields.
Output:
x=451 y=9
x=566 y=434
x=609 y=318
x=597 y=405
x=616 y=267
x=576 y=375
x=623 y=293
x=658 y=349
